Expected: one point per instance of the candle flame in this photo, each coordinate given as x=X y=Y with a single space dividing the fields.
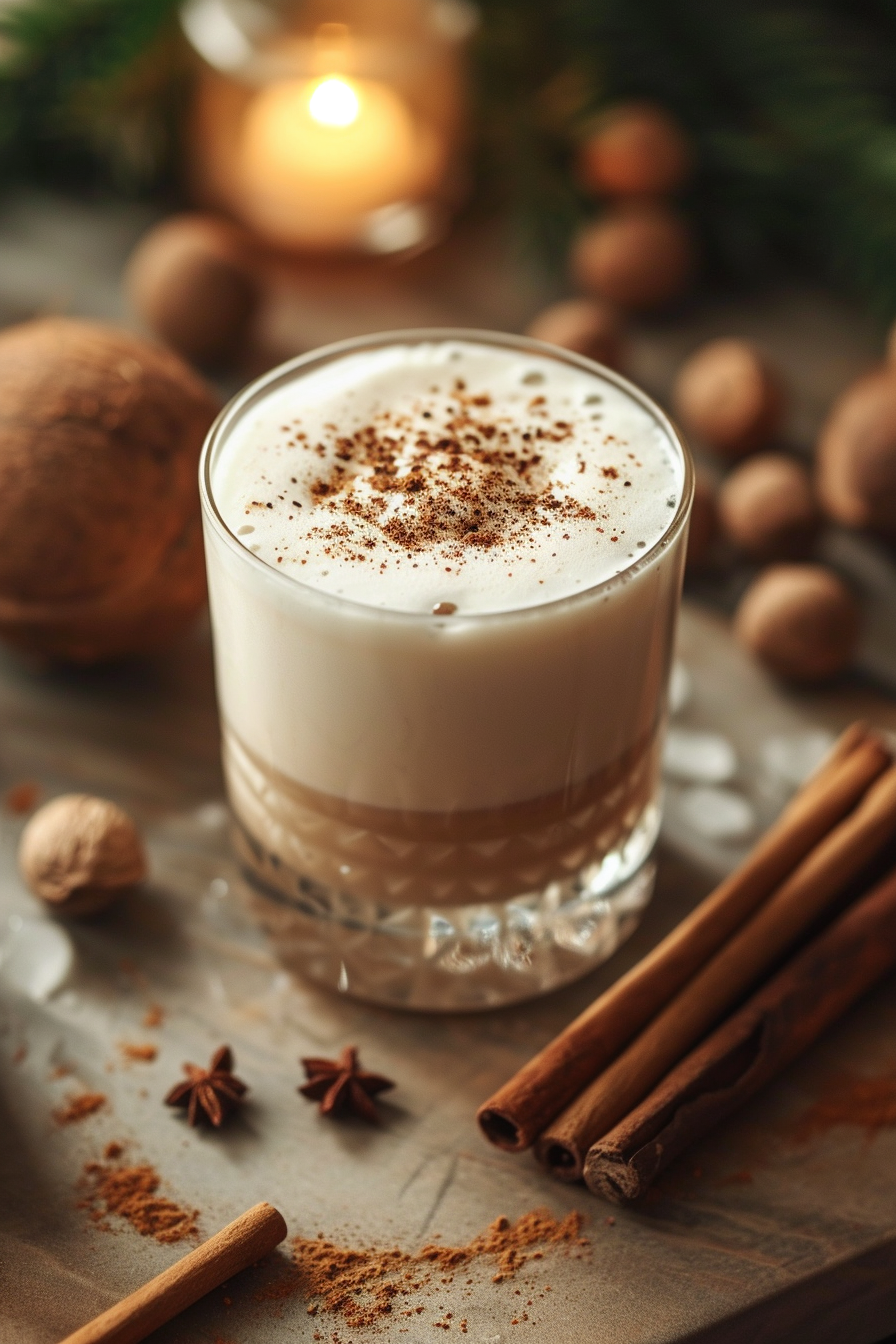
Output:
x=334 y=102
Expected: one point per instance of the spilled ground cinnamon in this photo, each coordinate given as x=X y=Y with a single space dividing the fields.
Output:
x=374 y=1285
x=131 y=1193
x=850 y=1099
x=78 y=1106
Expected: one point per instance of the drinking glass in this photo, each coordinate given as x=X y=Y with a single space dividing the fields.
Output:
x=438 y=812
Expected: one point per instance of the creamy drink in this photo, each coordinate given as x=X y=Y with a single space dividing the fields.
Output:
x=444 y=572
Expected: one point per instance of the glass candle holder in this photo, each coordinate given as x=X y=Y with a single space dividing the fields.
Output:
x=330 y=125
x=434 y=809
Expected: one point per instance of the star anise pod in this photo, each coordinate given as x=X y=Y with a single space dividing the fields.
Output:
x=342 y=1087
x=209 y=1094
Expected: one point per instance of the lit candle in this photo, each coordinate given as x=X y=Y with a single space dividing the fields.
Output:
x=317 y=156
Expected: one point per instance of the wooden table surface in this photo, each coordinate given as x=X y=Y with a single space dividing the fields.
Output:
x=757 y=1234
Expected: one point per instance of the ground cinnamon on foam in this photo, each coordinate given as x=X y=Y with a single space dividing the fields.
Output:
x=475 y=480
x=371 y=1286
x=132 y=1193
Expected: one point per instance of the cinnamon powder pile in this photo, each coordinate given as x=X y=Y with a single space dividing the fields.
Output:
x=367 y=1287
x=131 y=1192
x=79 y=1106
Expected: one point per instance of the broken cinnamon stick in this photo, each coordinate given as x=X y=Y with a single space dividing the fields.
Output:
x=736 y=967
x=520 y=1110
x=747 y=1050
x=235 y=1247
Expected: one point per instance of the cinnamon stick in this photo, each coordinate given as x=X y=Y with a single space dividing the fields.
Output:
x=791 y=911
x=747 y=1050
x=520 y=1110
x=235 y=1247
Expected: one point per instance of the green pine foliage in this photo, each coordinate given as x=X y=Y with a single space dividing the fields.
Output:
x=791 y=106
x=89 y=90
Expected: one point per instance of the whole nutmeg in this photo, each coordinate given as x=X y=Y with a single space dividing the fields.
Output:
x=80 y=853
x=729 y=395
x=856 y=458
x=801 y=621
x=639 y=256
x=635 y=149
x=100 y=531
x=704 y=524
x=192 y=282
x=589 y=327
x=767 y=508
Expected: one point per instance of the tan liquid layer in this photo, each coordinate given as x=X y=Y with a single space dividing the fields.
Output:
x=417 y=858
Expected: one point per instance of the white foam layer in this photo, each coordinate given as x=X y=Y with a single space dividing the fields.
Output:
x=378 y=702
x=448 y=472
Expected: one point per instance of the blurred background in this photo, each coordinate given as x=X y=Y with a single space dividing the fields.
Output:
x=767 y=143
x=787 y=110
x=785 y=114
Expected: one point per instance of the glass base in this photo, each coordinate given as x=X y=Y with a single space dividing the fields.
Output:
x=453 y=958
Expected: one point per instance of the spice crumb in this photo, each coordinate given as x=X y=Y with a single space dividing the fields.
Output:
x=142 y=1051
x=21 y=798
x=154 y=1015
x=79 y=1106
x=738 y=1178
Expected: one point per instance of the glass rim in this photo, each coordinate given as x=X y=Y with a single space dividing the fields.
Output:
x=293 y=369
